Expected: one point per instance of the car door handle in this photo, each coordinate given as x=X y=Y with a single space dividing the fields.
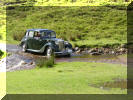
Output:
x=48 y=40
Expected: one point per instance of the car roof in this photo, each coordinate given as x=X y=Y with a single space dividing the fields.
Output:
x=38 y=30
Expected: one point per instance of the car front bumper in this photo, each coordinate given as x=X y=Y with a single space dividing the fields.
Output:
x=65 y=52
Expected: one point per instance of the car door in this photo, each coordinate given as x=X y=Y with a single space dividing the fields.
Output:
x=30 y=39
x=34 y=41
x=39 y=40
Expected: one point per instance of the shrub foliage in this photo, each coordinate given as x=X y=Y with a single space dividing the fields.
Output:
x=45 y=62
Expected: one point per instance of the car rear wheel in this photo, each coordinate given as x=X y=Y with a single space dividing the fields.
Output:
x=24 y=47
x=69 y=55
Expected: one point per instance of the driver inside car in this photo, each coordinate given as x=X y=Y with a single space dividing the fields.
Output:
x=37 y=35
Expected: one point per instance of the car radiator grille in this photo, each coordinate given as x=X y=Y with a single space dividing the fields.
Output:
x=61 y=45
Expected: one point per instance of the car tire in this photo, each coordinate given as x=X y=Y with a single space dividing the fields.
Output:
x=24 y=48
x=49 y=52
x=68 y=55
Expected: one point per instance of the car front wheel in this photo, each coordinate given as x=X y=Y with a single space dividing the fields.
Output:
x=49 y=52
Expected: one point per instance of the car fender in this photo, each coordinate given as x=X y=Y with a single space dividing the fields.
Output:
x=69 y=45
x=45 y=46
x=23 y=41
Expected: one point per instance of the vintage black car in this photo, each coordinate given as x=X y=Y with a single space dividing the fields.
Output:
x=45 y=41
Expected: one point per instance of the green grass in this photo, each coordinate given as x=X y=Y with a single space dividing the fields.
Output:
x=94 y=25
x=54 y=3
x=130 y=25
x=2 y=84
x=66 y=78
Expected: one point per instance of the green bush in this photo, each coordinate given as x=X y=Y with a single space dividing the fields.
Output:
x=0 y=37
x=45 y=62
x=1 y=53
x=17 y=36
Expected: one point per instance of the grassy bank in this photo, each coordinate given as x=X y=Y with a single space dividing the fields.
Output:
x=89 y=26
x=66 y=78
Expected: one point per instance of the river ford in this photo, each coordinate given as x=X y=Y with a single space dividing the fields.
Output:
x=18 y=60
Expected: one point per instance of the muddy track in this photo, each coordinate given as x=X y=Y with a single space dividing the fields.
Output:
x=18 y=60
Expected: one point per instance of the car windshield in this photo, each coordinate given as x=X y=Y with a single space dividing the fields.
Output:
x=51 y=34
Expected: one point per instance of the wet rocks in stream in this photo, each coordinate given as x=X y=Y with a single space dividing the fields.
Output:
x=18 y=62
x=101 y=51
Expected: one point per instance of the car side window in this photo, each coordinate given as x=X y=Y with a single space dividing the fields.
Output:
x=45 y=34
x=48 y=35
x=53 y=34
x=31 y=33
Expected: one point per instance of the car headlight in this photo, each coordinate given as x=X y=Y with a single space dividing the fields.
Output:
x=66 y=42
x=56 y=42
